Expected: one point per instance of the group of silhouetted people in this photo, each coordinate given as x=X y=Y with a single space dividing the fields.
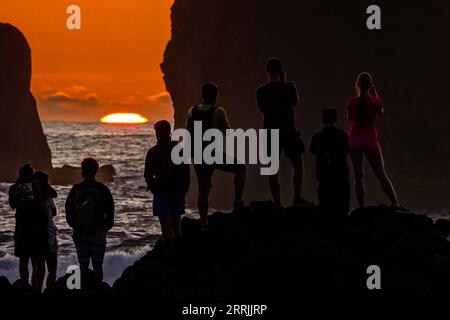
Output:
x=89 y=212
x=276 y=100
x=90 y=205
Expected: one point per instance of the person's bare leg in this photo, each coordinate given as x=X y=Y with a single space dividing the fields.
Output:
x=23 y=269
x=51 y=260
x=375 y=158
x=297 y=164
x=239 y=184
x=274 y=183
x=176 y=227
x=358 y=171
x=166 y=228
x=38 y=275
x=203 y=206
x=98 y=270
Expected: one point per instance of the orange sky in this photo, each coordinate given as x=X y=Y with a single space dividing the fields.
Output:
x=110 y=65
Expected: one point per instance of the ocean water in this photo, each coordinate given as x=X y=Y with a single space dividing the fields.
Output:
x=135 y=230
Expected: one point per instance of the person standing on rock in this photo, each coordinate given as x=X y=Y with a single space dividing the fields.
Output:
x=276 y=100
x=90 y=213
x=30 y=234
x=362 y=111
x=330 y=146
x=168 y=182
x=212 y=116
x=48 y=194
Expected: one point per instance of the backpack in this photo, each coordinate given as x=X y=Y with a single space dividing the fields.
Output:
x=24 y=195
x=29 y=204
x=205 y=116
x=88 y=209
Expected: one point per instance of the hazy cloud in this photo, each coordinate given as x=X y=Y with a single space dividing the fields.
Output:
x=162 y=97
x=64 y=98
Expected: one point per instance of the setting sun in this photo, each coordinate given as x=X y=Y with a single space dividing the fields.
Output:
x=124 y=118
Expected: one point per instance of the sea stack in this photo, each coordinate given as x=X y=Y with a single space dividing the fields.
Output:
x=22 y=139
x=324 y=45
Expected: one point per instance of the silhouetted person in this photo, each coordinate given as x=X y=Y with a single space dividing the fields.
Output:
x=90 y=213
x=330 y=146
x=30 y=234
x=167 y=181
x=213 y=116
x=48 y=194
x=362 y=111
x=276 y=99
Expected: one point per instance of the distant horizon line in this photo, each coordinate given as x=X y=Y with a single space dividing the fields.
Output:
x=98 y=121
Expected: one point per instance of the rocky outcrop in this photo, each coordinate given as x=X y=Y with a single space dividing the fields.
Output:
x=324 y=44
x=22 y=139
x=258 y=254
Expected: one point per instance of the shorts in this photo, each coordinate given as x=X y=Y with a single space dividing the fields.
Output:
x=168 y=205
x=204 y=172
x=291 y=143
x=363 y=144
x=90 y=246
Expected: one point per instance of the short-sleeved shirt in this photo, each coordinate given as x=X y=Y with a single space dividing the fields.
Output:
x=219 y=117
x=276 y=100
x=364 y=112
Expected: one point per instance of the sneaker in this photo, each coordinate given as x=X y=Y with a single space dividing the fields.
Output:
x=302 y=202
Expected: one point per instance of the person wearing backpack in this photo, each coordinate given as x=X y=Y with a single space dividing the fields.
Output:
x=213 y=117
x=30 y=234
x=90 y=213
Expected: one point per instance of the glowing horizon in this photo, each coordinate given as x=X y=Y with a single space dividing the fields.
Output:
x=123 y=118
x=111 y=65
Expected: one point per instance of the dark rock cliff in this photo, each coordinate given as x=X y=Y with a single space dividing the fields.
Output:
x=22 y=139
x=258 y=254
x=324 y=44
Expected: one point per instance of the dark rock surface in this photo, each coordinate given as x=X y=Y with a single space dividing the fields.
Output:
x=297 y=254
x=22 y=139
x=260 y=255
x=324 y=44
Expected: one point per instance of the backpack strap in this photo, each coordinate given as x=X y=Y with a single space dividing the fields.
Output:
x=204 y=116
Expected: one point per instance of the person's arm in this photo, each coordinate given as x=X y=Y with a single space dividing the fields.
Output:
x=109 y=209
x=12 y=198
x=52 y=193
x=260 y=100
x=70 y=207
x=380 y=110
x=149 y=173
x=349 y=111
x=295 y=100
x=222 y=118
x=186 y=177
x=188 y=118
x=54 y=210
